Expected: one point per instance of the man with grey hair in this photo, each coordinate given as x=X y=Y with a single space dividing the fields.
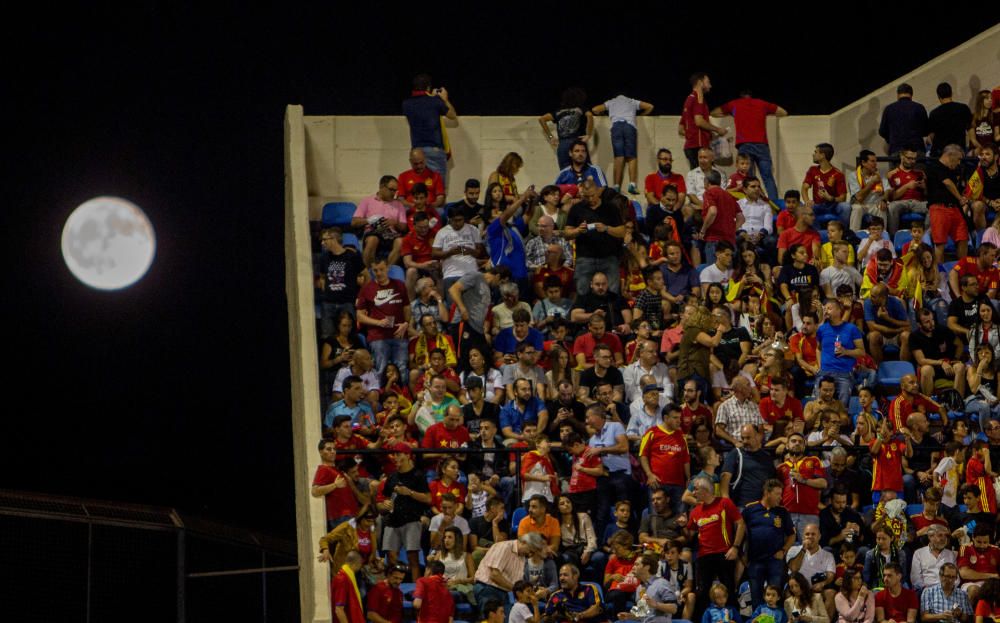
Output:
x=945 y=601
x=736 y=411
x=721 y=216
x=719 y=527
x=648 y=363
x=928 y=562
x=535 y=249
x=695 y=179
x=946 y=203
x=503 y=565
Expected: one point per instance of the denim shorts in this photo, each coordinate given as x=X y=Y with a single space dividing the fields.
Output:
x=623 y=139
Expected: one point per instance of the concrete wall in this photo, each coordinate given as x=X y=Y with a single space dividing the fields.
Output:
x=970 y=67
x=345 y=156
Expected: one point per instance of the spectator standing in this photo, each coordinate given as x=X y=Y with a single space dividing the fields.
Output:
x=770 y=534
x=424 y=109
x=804 y=478
x=596 y=226
x=580 y=168
x=431 y=598
x=572 y=123
x=720 y=216
x=802 y=233
x=340 y=274
x=695 y=126
x=750 y=115
x=471 y=295
x=945 y=202
x=664 y=456
x=948 y=124
x=624 y=135
x=720 y=529
x=407 y=499
x=503 y=565
x=983 y=188
x=384 y=307
x=841 y=343
x=904 y=122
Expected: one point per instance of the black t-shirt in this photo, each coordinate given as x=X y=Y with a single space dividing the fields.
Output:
x=570 y=122
x=406 y=509
x=967 y=313
x=756 y=469
x=798 y=279
x=940 y=344
x=578 y=409
x=593 y=243
x=921 y=459
x=611 y=303
x=589 y=378
x=494 y=461
x=991 y=185
x=949 y=123
x=937 y=193
x=483 y=529
x=470 y=212
x=729 y=348
x=490 y=412
x=340 y=273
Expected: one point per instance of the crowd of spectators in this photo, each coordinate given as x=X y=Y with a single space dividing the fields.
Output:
x=577 y=404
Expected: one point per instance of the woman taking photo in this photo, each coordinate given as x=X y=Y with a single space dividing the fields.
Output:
x=700 y=336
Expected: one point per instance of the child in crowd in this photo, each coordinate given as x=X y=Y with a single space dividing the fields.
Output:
x=848 y=561
x=719 y=612
x=834 y=233
x=947 y=475
x=587 y=468
x=771 y=610
x=526 y=608
x=679 y=576
x=623 y=521
x=479 y=492
x=871 y=245
x=658 y=248
x=742 y=171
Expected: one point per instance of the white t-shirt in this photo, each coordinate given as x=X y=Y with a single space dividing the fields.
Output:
x=622 y=108
x=947 y=473
x=519 y=613
x=447 y=239
x=820 y=562
x=459 y=522
x=712 y=274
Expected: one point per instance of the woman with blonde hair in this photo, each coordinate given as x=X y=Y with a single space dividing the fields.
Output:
x=505 y=174
x=699 y=337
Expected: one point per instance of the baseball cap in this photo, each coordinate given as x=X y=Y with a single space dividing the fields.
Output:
x=651 y=388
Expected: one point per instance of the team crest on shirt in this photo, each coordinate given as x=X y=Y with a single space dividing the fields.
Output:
x=777 y=522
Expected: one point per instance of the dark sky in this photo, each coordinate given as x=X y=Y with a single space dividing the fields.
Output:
x=175 y=391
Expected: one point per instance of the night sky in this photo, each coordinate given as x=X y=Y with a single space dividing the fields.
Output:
x=175 y=392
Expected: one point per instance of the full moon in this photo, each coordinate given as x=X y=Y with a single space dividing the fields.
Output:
x=108 y=243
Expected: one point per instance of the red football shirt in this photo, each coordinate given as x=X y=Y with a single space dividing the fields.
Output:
x=988 y=279
x=898 y=177
x=688 y=415
x=585 y=344
x=431 y=179
x=791 y=410
x=356 y=442
x=792 y=236
x=565 y=275
x=833 y=181
x=434 y=219
x=438 y=606
x=975 y=474
x=620 y=566
x=438 y=488
x=901 y=408
x=920 y=522
x=798 y=497
x=668 y=453
x=693 y=135
x=655 y=182
x=339 y=502
x=895 y=608
x=806 y=346
x=724 y=225
x=346 y=596
x=438 y=436
x=580 y=482
x=887 y=467
x=736 y=181
x=418 y=248
x=716 y=525
x=983 y=561
x=786 y=220
x=383 y=301
x=386 y=602
x=750 y=115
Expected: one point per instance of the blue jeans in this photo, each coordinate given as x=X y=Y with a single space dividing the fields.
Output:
x=760 y=156
x=770 y=570
x=587 y=266
x=844 y=381
x=614 y=487
x=708 y=251
x=562 y=151
x=394 y=351
x=437 y=160
x=841 y=210
x=485 y=592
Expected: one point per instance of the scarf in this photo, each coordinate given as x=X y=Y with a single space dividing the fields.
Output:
x=861 y=182
x=871 y=277
x=347 y=571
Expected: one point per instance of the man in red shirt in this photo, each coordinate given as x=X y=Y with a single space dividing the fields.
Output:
x=695 y=126
x=416 y=253
x=583 y=346
x=448 y=433
x=888 y=449
x=978 y=562
x=420 y=174
x=664 y=176
x=801 y=233
x=750 y=115
x=346 y=596
x=910 y=399
x=896 y=602
x=331 y=484
x=805 y=353
x=721 y=215
x=827 y=185
x=907 y=185
x=787 y=217
x=981 y=267
x=778 y=408
x=385 y=600
x=719 y=527
x=431 y=598
x=345 y=439
x=664 y=456
x=384 y=308
x=693 y=407
x=804 y=479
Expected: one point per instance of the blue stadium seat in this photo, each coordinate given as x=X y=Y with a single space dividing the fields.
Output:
x=350 y=240
x=640 y=215
x=911 y=217
x=854 y=406
x=890 y=372
x=947 y=266
x=338 y=214
x=516 y=517
x=914 y=509
x=902 y=237
x=397 y=272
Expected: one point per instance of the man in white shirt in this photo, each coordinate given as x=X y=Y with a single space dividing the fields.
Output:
x=695 y=179
x=814 y=563
x=722 y=269
x=759 y=223
x=839 y=273
x=457 y=246
x=646 y=411
x=647 y=363
x=925 y=569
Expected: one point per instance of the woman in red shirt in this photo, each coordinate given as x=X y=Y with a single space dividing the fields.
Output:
x=988 y=608
x=619 y=582
x=447 y=482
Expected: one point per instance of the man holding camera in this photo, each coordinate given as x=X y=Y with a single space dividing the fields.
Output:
x=384 y=220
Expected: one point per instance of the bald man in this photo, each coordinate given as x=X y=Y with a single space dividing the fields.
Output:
x=909 y=400
x=535 y=250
